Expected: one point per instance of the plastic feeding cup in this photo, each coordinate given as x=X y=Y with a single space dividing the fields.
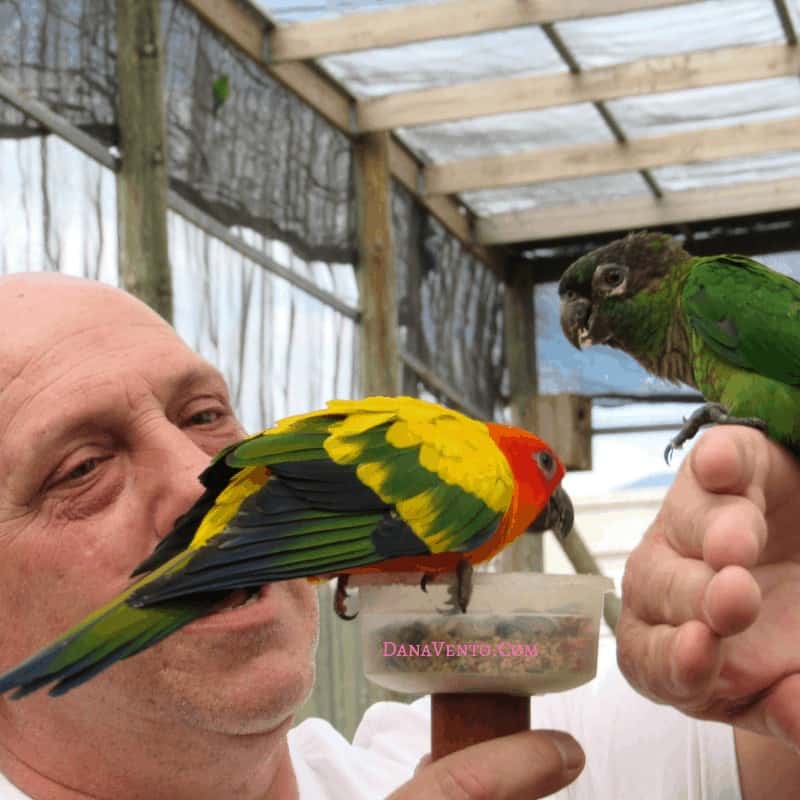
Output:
x=523 y=634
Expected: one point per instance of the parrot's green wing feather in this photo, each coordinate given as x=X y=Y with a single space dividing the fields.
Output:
x=369 y=500
x=110 y=634
x=746 y=314
x=440 y=470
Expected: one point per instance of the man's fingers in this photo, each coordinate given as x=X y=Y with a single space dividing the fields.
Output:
x=520 y=767
x=741 y=460
x=669 y=664
x=660 y=586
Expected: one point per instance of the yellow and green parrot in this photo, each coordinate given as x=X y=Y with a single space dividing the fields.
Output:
x=373 y=485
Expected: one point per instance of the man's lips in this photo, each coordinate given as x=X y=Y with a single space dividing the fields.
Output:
x=238 y=610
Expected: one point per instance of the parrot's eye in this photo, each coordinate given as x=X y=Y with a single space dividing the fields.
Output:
x=546 y=461
x=613 y=277
x=569 y=295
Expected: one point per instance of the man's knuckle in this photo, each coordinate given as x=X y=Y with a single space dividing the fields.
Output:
x=465 y=782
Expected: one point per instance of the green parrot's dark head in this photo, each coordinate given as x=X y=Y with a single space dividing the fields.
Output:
x=595 y=289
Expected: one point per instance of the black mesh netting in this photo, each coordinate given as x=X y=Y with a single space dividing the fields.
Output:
x=265 y=160
x=451 y=306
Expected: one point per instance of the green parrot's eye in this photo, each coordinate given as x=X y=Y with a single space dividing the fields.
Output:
x=613 y=277
x=546 y=461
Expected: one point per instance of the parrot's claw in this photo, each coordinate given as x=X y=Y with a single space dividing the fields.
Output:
x=708 y=414
x=426 y=578
x=461 y=593
x=340 y=599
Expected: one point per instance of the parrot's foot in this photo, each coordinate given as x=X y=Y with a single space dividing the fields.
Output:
x=461 y=593
x=708 y=414
x=426 y=578
x=340 y=599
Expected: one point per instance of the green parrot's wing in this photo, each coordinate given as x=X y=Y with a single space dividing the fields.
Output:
x=747 y=314
x=388 y=487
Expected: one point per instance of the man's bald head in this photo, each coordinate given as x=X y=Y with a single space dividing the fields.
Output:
x=31 y=303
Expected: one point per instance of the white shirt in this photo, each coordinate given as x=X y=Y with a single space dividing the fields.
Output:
x=634 y=748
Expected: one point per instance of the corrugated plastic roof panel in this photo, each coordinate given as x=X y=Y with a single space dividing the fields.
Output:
x=593 y=43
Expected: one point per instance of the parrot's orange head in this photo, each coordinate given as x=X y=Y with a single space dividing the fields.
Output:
x=538 y=472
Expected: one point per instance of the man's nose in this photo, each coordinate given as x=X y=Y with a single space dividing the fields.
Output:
x=178 y=464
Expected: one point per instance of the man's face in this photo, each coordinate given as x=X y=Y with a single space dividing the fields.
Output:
x=106 y=420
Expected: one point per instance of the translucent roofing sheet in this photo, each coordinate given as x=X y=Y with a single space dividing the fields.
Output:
x=593 y=43
x=603 y=41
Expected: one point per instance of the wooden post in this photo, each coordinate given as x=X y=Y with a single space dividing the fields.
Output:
x=377 y=285
x=526 y=554
x=142 y=178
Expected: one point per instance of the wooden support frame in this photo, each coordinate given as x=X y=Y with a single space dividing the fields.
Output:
x=756 y=197
x=606 y=158
x=519 y=328
x=142 y=175
x=409 y=24
x=647 y=76
x=380 y=364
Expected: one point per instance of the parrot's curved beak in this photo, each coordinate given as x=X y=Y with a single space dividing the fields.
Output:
x=558 y=515
x=575 y=314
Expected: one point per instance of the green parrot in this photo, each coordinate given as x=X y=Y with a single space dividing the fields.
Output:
x=725 y=325
x=220 y=91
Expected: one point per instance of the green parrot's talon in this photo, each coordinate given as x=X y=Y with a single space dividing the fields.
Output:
x=340 y=599
x=708 y=414
x=427 y=577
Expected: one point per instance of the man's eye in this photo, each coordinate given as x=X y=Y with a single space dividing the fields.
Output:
x=83 y=469
x=204 y=417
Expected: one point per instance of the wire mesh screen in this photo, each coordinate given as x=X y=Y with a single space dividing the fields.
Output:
x=450 y=307
x=263 y=159
x=62 y=53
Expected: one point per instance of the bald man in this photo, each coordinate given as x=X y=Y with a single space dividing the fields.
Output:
x=106 y=420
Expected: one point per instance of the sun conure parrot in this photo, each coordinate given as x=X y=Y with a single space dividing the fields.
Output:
x=373 y=485
x=220 y=91
x=725 y=325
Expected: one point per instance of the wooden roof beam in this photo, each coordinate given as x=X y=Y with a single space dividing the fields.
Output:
x=632 y=213
x=409 y=24
x=644 y=77
x=606 y=158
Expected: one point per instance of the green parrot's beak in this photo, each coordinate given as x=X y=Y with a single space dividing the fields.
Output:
x=575 y=316
x=558 y=516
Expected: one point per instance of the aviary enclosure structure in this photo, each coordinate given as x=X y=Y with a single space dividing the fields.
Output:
x=383 y=194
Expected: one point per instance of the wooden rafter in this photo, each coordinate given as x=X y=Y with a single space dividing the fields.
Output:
x=756 y=197
x=582 y=161
x=409 y=24
x=647 y=76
